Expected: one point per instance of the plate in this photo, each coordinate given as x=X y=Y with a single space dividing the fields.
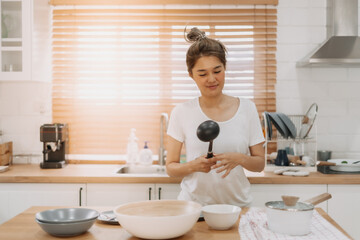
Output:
x=279 y=125
x=289 y=124
x=345 y=167
x=108 y=217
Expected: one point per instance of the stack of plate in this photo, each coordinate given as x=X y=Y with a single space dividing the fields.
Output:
x=282 y=123
x=65 y=222
x=286 y=127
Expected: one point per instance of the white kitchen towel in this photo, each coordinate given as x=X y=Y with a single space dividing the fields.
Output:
x=253 y=225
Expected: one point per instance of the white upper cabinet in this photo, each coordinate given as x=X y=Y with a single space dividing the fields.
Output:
x=15 y=49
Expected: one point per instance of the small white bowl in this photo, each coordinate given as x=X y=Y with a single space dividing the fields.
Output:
x=221 y=216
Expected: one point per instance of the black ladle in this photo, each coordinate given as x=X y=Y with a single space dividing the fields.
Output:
x=207 y=132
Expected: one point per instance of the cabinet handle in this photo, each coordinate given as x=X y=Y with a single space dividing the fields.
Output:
x=149 y=193
x=159 y=193
x=80 y=190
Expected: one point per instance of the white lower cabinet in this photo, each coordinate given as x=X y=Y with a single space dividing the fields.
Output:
x=17 y=197
x=344 y=207
x=263 y=193
x=112 y=194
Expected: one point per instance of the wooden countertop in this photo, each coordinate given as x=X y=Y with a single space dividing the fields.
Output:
x=23 y=226
x=106 y=173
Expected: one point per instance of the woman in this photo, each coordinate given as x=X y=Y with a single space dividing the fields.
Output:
x=220 y=179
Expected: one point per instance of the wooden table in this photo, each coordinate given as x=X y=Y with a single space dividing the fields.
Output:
x=23 y=226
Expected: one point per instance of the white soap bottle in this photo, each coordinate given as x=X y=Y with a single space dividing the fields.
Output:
x=132 y=148
x=145 y=155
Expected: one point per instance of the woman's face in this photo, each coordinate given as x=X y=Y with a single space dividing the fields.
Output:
x=209 y=75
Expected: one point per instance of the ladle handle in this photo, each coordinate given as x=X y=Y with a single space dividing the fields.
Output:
x=210 y=153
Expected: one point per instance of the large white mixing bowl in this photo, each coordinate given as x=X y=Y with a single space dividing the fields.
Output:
x=158 y=219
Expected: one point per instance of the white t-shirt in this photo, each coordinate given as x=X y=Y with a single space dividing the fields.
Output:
x=236 y=135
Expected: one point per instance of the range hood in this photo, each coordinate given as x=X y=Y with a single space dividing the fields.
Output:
x=342 y=47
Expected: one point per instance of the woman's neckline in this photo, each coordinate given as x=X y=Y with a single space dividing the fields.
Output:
x=228 y=120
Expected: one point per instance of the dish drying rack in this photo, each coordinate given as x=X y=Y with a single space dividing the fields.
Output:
x=300 y=146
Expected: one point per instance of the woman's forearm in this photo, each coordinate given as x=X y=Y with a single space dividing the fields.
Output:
x=176 y=169
x=252 y=163
x=200 y=164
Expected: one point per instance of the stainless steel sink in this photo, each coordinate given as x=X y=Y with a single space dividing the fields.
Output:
x=152 y=169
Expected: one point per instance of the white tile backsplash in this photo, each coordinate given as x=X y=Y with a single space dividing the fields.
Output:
x=316 y=16
x=311 y=90
x=286 y=71
x=345 y=90
x=337 y=142
x=354 y=108
x=329 y=74
x=289 y=106
x=292 y=34
x=354 y=74
x=344 y=125
x=9 y=107
x=294 y=17
x=21 y=115
x=293 y=4
x=287 y=90
x=317 y=35
x=317 y=3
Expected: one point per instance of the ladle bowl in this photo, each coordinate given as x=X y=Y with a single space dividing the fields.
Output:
x=207 y=132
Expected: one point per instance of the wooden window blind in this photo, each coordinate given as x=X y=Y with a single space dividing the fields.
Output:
x=117 y=67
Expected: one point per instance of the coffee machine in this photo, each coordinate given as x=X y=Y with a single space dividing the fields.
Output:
x=55 y=145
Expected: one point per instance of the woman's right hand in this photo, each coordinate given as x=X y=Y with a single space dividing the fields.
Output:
x=176 y=169
x=202 y=164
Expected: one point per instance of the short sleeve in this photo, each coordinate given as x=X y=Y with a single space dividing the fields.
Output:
x=256 y=133
x=175 y=128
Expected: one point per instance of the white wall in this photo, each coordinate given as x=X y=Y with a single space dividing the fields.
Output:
x=302 y=28
x=24 y=106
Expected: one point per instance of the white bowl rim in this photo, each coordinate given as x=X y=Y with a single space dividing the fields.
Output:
x=234 y=208
x=197 y=209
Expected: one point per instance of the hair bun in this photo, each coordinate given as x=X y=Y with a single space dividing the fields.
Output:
x=194 y=35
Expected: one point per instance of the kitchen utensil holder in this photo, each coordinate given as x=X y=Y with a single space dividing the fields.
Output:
x=309 y=143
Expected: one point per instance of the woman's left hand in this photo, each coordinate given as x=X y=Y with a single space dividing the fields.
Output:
x=225 y=162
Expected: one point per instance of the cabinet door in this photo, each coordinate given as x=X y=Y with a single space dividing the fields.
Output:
x=15 y=49
x=263 y=193
x=113 y=194
x=167 y=191
x=344 y=207
x=16 y=197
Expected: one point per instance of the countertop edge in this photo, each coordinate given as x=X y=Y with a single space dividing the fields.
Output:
x=81 y=173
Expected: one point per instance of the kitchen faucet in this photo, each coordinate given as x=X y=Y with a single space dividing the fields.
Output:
x=162 y=153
